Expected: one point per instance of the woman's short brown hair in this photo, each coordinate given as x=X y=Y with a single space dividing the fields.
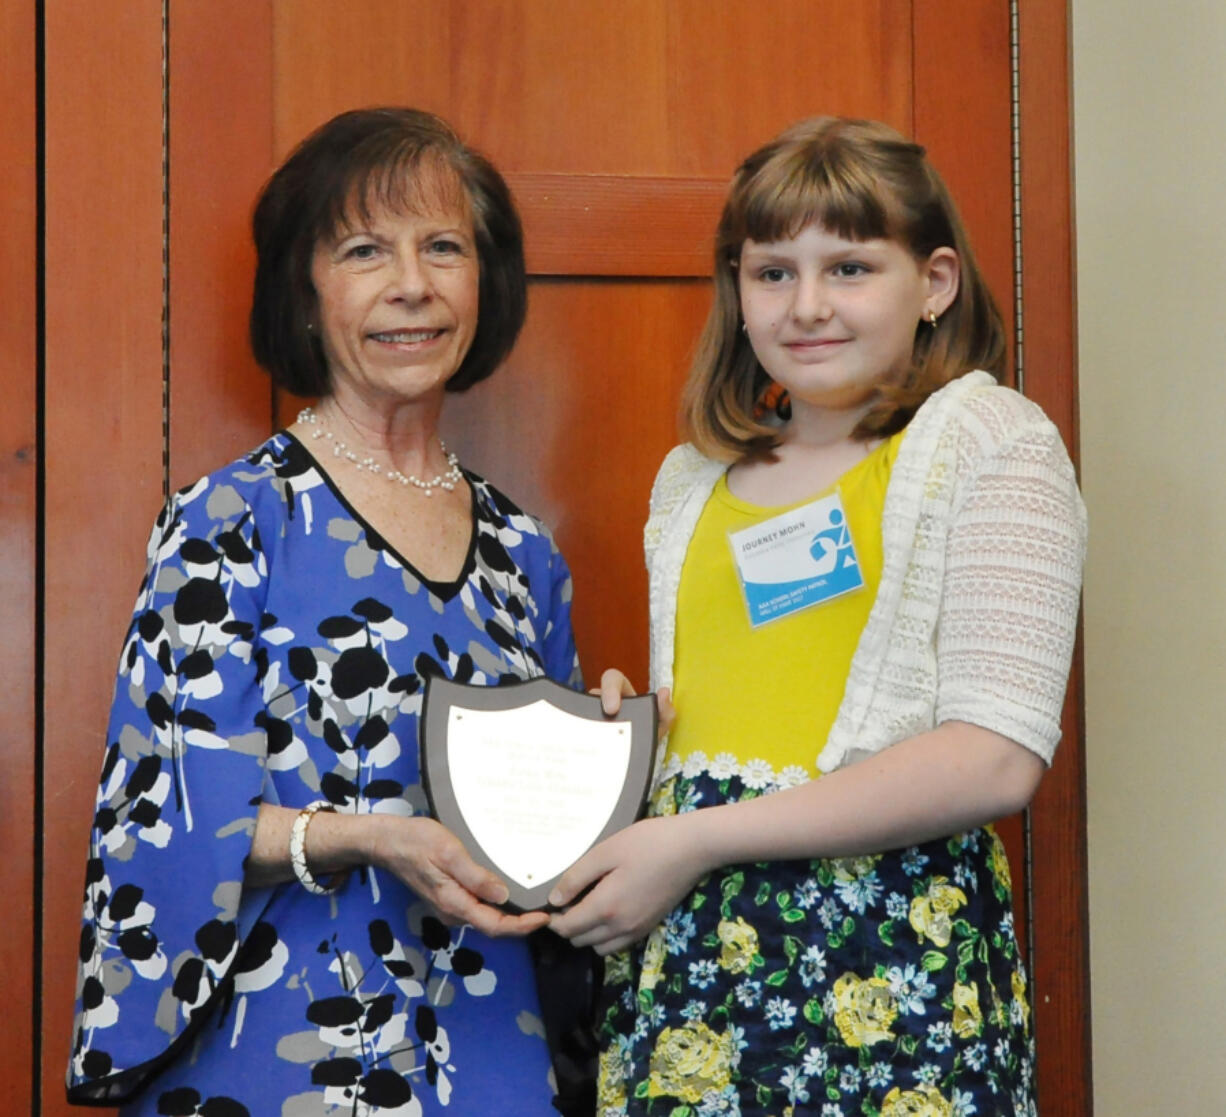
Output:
x=408 y=160
x=862 y=181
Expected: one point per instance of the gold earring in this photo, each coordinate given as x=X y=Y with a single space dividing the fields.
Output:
x=932 y=319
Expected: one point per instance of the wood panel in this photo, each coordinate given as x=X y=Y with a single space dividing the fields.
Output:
x=607 y=87
x=18 y=541
x=739 y=72
x=576 y=86
x=962 y=115
x=332 y=57
x=221 y=144
x=685 y=88
x=618 y=224
x=1059 y=887
x=103 y=426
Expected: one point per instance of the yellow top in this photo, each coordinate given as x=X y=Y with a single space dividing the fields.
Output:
x=760 y=701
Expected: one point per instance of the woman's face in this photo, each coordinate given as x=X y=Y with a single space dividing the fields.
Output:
x=397 y=303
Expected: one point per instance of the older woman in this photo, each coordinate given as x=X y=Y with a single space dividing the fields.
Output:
x=272 y=923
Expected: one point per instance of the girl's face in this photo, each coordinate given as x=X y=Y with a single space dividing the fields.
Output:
x=830 y=319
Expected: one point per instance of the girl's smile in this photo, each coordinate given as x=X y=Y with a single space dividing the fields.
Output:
x=832 y=319
x=817 y=347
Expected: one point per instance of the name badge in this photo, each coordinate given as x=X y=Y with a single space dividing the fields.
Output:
x=792 y=561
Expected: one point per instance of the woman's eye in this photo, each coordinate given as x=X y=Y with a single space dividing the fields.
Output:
x=361 y=251
x=445 y=246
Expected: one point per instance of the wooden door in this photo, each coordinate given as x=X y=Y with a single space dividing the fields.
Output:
x=618 y=123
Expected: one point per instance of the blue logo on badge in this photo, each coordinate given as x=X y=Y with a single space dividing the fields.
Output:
x=832 y=548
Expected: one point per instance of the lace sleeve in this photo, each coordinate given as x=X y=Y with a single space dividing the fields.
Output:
x=1012 y=581
x=673 y=481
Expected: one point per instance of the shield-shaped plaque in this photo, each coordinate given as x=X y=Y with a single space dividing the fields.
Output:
x=529 y=776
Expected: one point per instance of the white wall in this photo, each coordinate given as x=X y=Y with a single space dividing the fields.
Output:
x=1150 y=157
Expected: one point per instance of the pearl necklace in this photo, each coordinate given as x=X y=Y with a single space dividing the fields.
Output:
x=340 y=450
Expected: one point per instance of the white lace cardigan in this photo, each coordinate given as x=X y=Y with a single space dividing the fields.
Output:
x=983 y=534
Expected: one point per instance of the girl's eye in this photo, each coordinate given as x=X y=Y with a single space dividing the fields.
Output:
x=773 y=275
x=849 y=269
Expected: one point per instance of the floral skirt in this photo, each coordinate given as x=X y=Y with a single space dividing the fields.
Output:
x=886 y=985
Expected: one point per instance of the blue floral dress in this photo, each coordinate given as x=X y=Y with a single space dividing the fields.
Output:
x=278 y=653
x=884 y=986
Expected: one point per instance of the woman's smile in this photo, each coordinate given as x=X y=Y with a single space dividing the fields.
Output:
x=404 y=338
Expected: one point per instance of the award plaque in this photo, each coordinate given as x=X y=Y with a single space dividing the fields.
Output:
x=529 y=776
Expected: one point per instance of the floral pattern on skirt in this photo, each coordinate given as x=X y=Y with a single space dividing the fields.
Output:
x=886 y=985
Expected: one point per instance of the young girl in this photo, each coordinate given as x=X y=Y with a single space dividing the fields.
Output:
x=866 y=621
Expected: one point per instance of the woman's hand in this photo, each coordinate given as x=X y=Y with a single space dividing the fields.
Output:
x=426 y=856
x=434 y=863
x=640 y=874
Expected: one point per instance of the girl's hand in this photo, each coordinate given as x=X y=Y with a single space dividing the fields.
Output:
x=641 y=874
x=614 y=686
x=434 y=863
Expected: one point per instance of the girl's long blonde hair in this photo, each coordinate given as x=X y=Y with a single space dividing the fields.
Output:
x=862 y=181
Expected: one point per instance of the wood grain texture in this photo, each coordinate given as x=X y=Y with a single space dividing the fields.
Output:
x=618 y=225
x=221 y=153
x=18 y=542
x=1061 y=964
x=962 y=115
x=739 y=72
x=574 y=86
x=331 y=57
x=103 y=426
x=624 y=87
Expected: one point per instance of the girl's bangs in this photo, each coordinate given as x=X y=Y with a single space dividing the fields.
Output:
x=778 y=207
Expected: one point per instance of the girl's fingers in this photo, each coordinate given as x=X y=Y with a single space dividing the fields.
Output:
x=576 y=926
x=603 y=940
x=588 y=869
x=592 y=938
x=614 y=686
x=666 y=710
